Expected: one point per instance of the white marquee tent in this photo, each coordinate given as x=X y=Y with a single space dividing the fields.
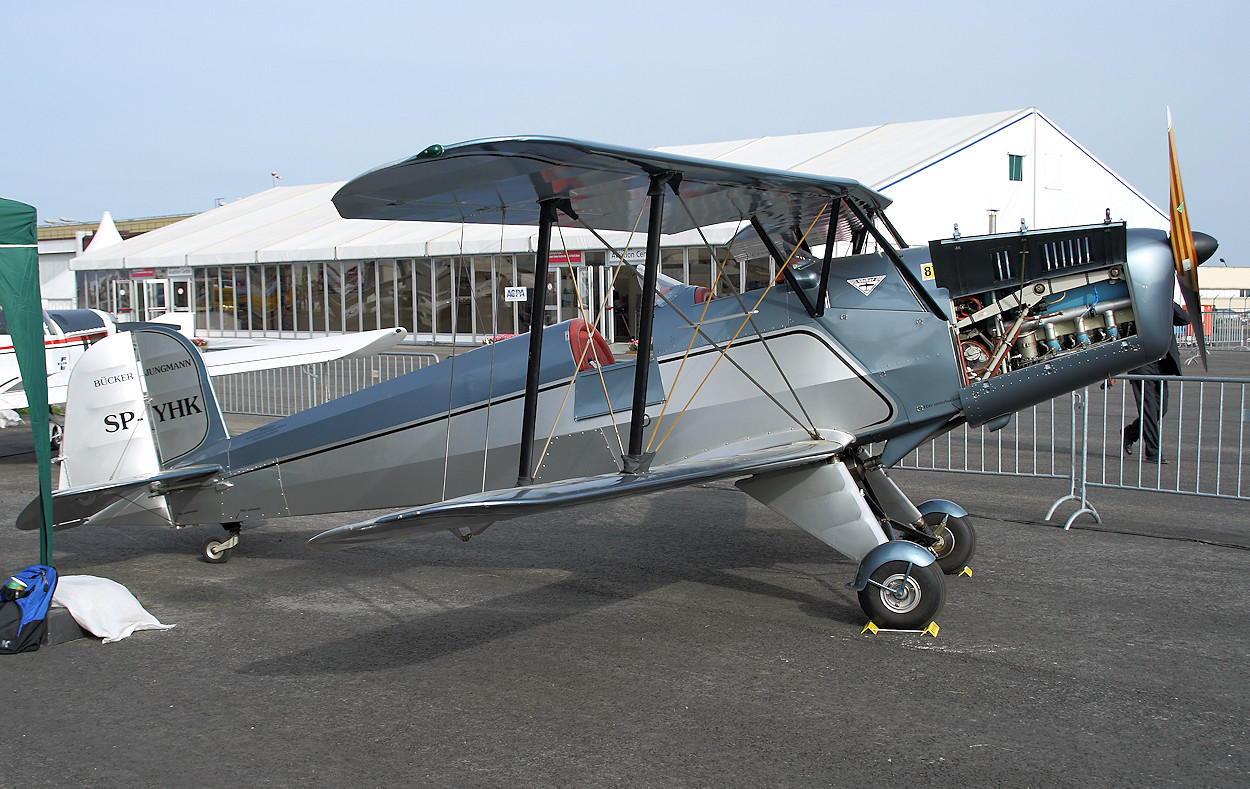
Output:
x=939 y=173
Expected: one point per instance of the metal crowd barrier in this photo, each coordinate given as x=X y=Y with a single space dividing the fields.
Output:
x=1079 y=437
x=288 y=390
x=1223 y=332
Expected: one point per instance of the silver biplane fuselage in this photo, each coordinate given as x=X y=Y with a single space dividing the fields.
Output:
x=393 y=445
x=785 y=388
x=872 y=368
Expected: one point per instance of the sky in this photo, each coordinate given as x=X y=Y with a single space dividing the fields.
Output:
x=157 y=108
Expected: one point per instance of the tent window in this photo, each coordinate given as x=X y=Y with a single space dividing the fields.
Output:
x=1015 y=167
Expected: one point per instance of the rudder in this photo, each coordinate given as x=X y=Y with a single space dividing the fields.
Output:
x=139 y=402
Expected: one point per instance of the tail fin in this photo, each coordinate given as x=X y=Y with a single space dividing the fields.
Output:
x=139 y=402
x=139 y=407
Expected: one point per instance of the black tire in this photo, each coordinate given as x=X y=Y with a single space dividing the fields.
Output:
x=922 y=594
x=213 y=553
x=957 y=541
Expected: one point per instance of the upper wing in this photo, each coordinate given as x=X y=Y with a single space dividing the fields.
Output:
x=473 y=513
x=500 y=181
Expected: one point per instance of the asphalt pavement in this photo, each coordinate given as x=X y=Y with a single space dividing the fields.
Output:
x=688 y=638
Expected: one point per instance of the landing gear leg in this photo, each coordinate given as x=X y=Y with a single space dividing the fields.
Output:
x=939 y=525
x=56 y=432
x=218 y=551
x=956 y=540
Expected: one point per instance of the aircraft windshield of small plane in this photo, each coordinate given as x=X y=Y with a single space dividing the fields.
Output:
x=76 y=320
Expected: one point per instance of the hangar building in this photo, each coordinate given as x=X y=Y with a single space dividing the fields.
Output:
x=283 y=264
x=61 y=240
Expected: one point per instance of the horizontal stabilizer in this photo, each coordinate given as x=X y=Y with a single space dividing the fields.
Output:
x=13 y=400
x=473 y=513
x=76 y=506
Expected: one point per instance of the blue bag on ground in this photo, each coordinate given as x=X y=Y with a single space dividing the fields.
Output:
x=24 y=601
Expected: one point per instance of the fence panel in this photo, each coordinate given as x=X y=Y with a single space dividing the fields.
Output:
x=288 y=390
x=1080 y=436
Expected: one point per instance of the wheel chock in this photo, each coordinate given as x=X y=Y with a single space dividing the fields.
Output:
x=966 y=571
x=872 y=627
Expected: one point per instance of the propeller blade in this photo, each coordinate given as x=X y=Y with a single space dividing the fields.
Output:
x=1193 y=307
x=1184 y=255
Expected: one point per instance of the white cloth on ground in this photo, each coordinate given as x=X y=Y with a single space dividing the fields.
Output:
x=102 y=607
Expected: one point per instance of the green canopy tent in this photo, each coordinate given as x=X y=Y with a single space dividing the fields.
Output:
x=23 y=312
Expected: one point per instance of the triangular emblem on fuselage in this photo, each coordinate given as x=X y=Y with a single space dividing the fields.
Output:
x=866 y=285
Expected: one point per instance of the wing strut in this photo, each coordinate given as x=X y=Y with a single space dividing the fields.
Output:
x=885 y=220
x=925 y=298
x=823 y=289
x=786 y=272
x=635 y=462
x=538 y=308
x=698 y=328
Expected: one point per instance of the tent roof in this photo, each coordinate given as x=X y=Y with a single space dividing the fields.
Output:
x=299 y=223
x=876 y=156
x=106 y=234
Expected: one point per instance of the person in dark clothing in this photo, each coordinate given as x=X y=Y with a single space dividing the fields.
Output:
x=1152 y=397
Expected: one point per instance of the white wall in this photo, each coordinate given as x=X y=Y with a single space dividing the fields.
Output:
x=1062 y=185
x=56 y=281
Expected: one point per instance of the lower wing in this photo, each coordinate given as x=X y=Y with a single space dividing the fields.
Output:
x=473 y=513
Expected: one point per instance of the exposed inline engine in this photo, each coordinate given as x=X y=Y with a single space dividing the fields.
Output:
x=1027 y=297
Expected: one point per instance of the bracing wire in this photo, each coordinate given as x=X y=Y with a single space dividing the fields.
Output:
x=451 y=381
x=811 y=424
x=585 y=349
x=611 y=414
x=490 y=382
x=763 y=390
x=746 y=320
x=698 y=331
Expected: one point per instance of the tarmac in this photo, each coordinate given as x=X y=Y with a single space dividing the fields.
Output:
x=687 y=638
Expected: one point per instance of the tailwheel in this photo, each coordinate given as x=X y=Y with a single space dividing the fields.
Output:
x=218 y=551
x=901 y=595
x=956 y=541
x=214 y=553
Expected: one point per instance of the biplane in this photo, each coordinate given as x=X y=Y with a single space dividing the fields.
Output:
x=804 y=391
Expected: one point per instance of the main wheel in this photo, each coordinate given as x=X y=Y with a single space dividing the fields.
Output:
x=957 y=541
x=214 y=553
x=903 y=596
